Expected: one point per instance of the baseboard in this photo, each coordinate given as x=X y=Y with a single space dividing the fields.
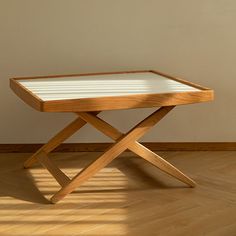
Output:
x=98 y=147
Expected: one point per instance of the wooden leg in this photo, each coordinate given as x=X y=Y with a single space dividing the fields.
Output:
x=123 y=142
x=161 y=163
x=57 y=140
x=60 y=177
x=138 y=148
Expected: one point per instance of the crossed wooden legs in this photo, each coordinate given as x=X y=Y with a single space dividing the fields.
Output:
x=122 y=142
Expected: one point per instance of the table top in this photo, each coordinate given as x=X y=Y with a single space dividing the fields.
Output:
x=105 y=91
x=94 y=86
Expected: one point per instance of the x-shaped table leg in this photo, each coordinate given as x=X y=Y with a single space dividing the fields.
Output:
x=136 y=147
x=123 y=141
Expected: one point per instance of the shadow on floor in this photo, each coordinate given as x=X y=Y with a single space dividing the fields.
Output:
x=19 y=183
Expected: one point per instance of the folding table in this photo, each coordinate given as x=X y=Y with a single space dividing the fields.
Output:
x=87 y=95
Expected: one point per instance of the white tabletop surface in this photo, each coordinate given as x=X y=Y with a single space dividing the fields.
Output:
x=94 y=86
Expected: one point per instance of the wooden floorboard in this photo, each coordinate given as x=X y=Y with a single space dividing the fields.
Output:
x=128 y=198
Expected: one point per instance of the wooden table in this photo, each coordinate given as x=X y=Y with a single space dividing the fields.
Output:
x=87 y=95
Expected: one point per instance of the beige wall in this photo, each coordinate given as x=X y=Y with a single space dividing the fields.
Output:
x=192 y=39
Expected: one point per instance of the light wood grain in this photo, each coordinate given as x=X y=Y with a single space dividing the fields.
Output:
x=80 y=74
x=114 y=102
x=27 y=96
x=138 y=148
x=112 y=152
x=123 y=142
x=127 y=102
x=127 y=198
x=180 y=80
x=60 y=177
